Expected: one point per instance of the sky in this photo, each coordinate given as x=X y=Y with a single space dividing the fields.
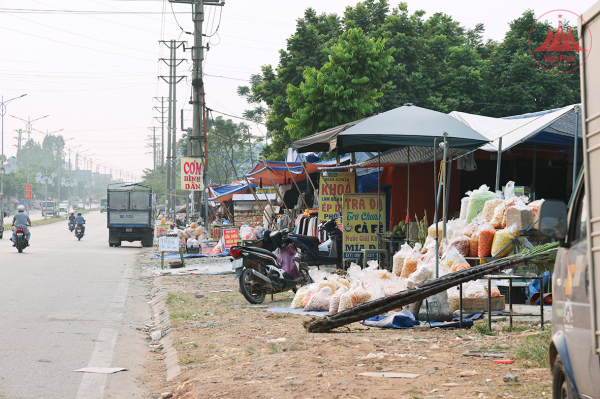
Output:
x=92 y=66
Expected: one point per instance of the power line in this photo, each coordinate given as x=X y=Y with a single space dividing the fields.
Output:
x=225 y=77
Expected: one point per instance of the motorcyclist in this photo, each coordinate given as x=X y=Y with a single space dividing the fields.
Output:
x=21 y=221
x=80 y=221
x=72 y=218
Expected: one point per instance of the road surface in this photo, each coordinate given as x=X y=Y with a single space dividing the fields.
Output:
x=68 y=304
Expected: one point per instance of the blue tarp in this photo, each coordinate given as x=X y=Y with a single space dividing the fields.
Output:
x=175 y=255
x=227 y=190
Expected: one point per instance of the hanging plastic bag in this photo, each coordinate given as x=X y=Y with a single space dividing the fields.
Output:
x=334 y=303
x=488 y=209
x=501 y=239
x=319 y=301
x=520 y=215
x=478 y=200
x=486 y=240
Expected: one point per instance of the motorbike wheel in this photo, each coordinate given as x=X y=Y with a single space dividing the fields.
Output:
x=252 y=295
x=79 y=238
x=20 y=245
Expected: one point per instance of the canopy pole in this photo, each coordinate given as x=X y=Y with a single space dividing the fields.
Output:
x=296 y=184
x=259 y=203
x=408 y=195
x=435 y=196
x=575 y=145
x=498 y=162
x=307 y=175
x=280 y=197
x=445 y=188
x=448 y=186
x=378 y=197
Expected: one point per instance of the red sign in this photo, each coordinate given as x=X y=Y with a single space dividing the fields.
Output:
x=90 y=200
x=28 y=191
x=98 y=195
x=230 y=237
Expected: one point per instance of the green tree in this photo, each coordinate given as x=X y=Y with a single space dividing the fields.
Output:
x=345 y=89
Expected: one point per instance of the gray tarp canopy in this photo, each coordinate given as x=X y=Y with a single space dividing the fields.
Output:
x=324 y=141
x=408 y=125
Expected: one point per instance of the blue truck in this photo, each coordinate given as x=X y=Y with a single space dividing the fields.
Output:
x=130 y=214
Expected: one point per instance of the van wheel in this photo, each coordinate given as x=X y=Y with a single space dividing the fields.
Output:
x=561 y=386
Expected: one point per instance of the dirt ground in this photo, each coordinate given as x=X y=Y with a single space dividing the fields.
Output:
x=229 y=348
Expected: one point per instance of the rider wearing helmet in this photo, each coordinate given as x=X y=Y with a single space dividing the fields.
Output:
x=21 y=221
x=80 y=221
x=72 y=218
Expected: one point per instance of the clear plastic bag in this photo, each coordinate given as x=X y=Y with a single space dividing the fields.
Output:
x=462 y=244
x=464 y=205
x=486 y=240
x=398 y=259
x=334 y=303
x=520 y=215
x=431 y=231
x=453 y=298
x=359 y=296
x=474 y=247
x=535 y=209
x=319 y=301
x=488 y=209
x=474 y=289
x=478 y=200
x=325 y=283
x=498 y=215
x=410 y=265
x=247 y=233
x=297 y=302
x=501 y=239
x=424 y=271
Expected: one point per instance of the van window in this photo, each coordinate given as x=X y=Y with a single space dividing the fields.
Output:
x=580 y=218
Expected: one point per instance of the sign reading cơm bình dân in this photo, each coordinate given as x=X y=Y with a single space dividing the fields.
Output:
x=360 y=220
x=192 y=174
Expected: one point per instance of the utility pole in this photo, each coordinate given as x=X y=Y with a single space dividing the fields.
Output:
x=153 y=145
x=19 y=137
x=173 y=63
x=161 y=119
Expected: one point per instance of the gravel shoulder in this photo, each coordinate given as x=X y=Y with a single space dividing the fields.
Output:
x=229 y=348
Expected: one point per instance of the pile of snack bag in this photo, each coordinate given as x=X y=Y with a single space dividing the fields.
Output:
x=488 y=224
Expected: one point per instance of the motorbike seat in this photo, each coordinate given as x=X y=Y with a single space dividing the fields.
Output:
x=260 y=250
x=313 y=240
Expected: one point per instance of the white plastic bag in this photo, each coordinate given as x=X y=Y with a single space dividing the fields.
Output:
x=398 y=259
x=319 y=301
x=334 y=303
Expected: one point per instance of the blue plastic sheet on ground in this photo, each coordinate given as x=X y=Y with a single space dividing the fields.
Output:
x=175 y=255
x=296 y=311
x=534 y=290
x=403 y=319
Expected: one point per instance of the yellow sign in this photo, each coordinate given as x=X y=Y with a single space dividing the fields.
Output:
x=360 y=220
x=331 y=189
x=192 y=173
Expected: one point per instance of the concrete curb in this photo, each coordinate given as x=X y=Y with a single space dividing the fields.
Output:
x=162 y=323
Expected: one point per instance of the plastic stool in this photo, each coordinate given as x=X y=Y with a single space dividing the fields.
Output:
x=366 y=252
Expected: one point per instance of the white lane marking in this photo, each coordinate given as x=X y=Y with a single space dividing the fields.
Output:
x=92 y=384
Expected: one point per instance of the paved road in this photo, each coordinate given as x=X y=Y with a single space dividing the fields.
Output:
x=67 y=304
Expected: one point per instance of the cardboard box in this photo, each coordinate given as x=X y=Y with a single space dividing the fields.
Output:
x=478 y=305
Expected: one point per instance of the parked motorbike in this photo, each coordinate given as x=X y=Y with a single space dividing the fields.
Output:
x=71 y=226
x=308 y=247
x=260 y=273
x=22 y=242
x=79 y=232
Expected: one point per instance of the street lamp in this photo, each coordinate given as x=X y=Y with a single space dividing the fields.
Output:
x=3 y=105
x=60 y=167
x=46 y=179
x=28 y=129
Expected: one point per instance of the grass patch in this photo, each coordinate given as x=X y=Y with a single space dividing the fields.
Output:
x=515 y=328
x=191 y=359
x=273 y=348
x=483 y=329
x=279 y=315
x=251 y=351
x=533 y=350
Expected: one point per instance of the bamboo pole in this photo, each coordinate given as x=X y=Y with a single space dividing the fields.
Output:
x=259 y=203
x=296 y=184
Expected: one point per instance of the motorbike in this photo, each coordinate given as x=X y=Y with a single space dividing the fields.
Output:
x=79 y=232
x=308 y=247
x=21 y=243
x=261 y=273
x=71 y=226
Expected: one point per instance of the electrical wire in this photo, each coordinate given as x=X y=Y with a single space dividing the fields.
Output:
x=225 y=77
x=176 y=21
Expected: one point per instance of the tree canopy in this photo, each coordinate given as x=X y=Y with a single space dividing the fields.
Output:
x=434 y=63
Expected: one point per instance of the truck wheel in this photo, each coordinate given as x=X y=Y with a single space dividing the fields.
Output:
x=147 y=242
x=561 y=386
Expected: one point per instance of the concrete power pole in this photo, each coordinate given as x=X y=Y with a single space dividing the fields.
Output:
x=19 y=138
x=197 y=138
x=173 y=79
x=154 y=146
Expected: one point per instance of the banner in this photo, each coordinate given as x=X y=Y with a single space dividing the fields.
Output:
x=331 y=189
x=230 y=237
x=192 y=174
x=360 y=219
x=28 y=191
